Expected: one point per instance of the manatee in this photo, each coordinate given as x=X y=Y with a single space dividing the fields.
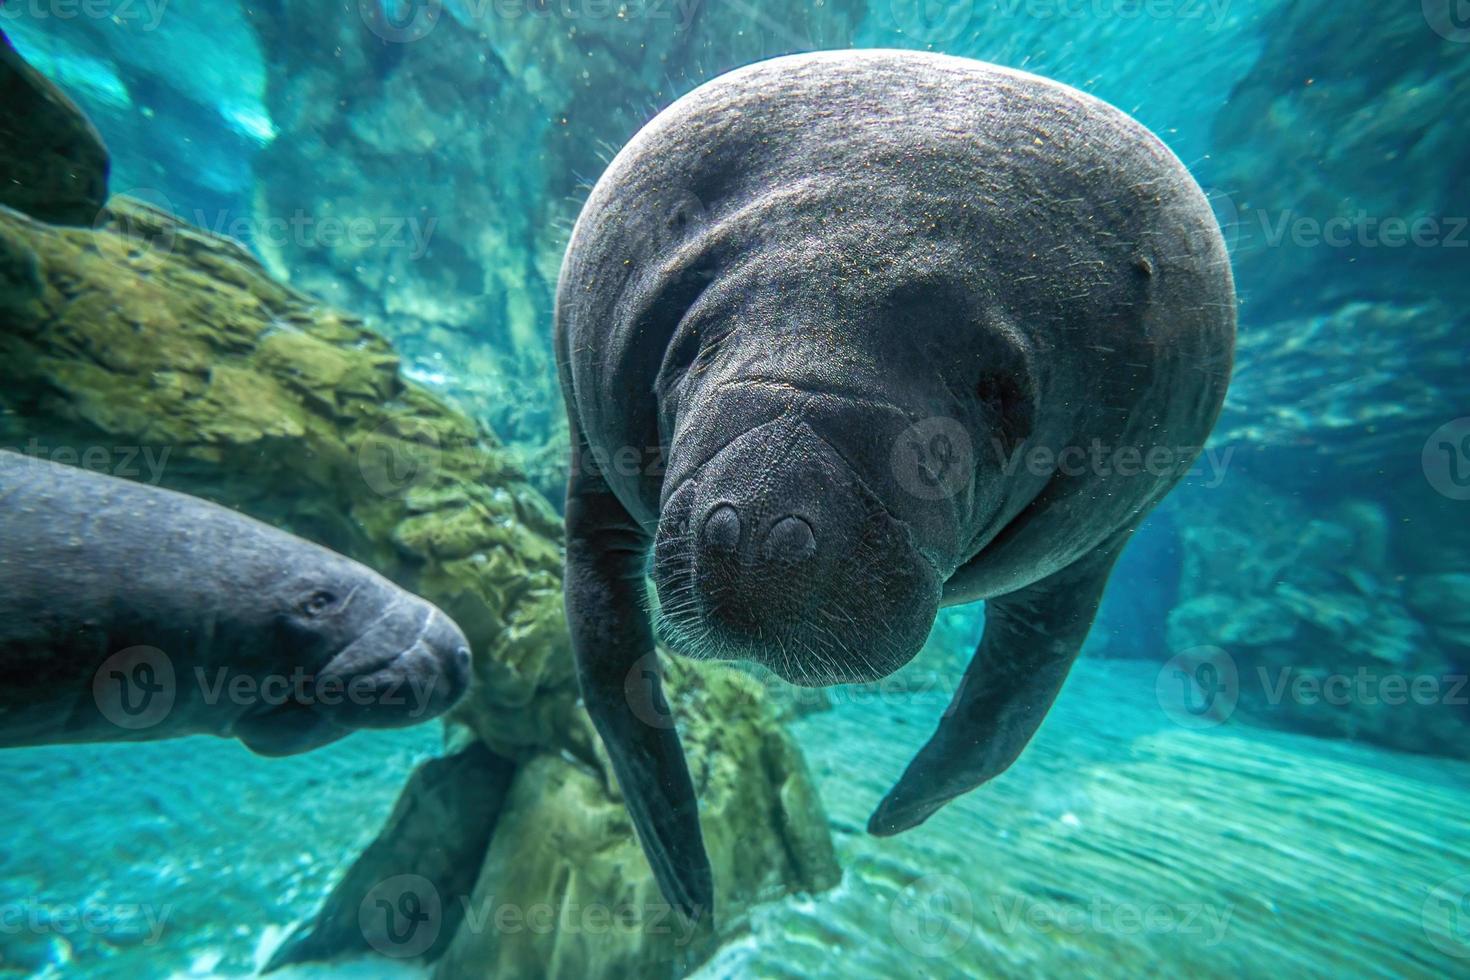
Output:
x=846 y=337
x=130 y=612
x=53 y=164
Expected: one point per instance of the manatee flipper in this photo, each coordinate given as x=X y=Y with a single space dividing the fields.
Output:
x=613 y=643
x=1031 y=638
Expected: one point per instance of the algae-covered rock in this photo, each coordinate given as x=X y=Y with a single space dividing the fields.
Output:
x=565 y=891
x=53 y=165
x=430 y=849
x=148 y=340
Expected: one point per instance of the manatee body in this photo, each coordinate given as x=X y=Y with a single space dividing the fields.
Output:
x=902 y=330
x=129 y=612
x=53 y=164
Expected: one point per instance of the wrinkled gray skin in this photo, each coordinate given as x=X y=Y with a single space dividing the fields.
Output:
x=839 y=293
x=132 y=613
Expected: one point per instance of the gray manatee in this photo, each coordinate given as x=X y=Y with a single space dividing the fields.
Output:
x=848 y=336
x=129 y=612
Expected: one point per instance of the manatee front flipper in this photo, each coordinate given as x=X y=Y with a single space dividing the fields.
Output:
x=617 y=669
x=1031 y=638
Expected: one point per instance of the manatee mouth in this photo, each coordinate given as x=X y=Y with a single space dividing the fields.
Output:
x=405 y=669
x=409 y=666
x=775 y=552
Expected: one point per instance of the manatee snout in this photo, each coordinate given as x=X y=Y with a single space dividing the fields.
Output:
x=775 y=551
x=410 y=666
x=391 y=658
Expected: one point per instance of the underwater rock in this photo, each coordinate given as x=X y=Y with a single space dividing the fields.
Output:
x=153 y=350
x=1442 y=598
x=472 y=135
x=1318 y=619
x=431 y=847
x=564 y=878
x=53 y=165
x=1323 y=131
x=1338 y=396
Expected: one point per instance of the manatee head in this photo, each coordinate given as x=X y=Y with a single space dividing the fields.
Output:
x=814 y=505
x=351 y=650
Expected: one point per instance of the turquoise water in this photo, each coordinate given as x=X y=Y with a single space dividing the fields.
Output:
x=1259 y=765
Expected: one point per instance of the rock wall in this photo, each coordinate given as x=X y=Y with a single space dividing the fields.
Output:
x=480 y=124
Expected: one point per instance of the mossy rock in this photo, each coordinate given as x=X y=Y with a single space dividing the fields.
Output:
x=146 y=332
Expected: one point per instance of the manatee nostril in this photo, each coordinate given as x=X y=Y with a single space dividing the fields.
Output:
x=791 y=540
x=722 y=529
x=462 y=657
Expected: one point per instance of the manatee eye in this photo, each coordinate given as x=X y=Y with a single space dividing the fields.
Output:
x=318 y=603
